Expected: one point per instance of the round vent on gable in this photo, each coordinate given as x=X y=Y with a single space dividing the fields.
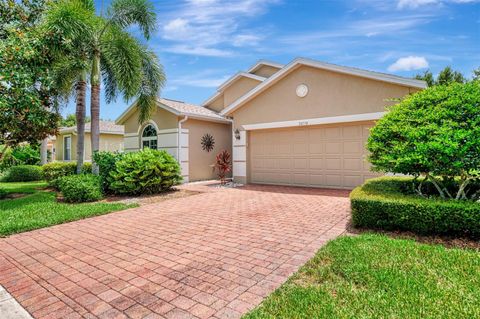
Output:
x=302 y=90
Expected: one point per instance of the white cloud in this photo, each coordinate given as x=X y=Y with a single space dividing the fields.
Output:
x=409 y=63
x=413 y=4
x=209 y=78
x=207 y=27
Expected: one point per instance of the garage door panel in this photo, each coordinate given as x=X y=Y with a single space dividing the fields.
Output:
x=319 y=156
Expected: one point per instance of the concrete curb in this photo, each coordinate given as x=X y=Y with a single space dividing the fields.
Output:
x=10 y=308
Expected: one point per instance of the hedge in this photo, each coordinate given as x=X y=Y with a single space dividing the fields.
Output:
x=23 y=173
x=53 y=171
x=388 y=203
x=80 y=188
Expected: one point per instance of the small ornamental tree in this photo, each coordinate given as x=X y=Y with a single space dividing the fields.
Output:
x=223 y=164
x=435 y=134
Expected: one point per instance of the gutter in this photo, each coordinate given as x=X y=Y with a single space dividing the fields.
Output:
x=180 y=138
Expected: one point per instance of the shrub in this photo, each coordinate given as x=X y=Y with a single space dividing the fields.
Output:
x=80 y=188
x=23 y=173
x=106 y=163
x=3 y=193
x=53 y=171
x=145 y=172
x=389 y=203
x=433 y=133
x=223 y=164
x=20 y=155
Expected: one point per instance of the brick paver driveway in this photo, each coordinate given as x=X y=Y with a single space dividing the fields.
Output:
x=215 y=254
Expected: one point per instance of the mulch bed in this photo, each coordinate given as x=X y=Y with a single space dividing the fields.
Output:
x=448 y=242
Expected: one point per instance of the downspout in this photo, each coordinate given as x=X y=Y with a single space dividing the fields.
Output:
x=180 y=138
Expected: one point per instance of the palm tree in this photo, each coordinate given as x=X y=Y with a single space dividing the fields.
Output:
x=71 y=21
x=126 y=65
x=117 y=58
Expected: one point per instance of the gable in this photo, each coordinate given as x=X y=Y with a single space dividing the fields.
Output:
x=330 y=94
x=161 y=117
x=266 y=71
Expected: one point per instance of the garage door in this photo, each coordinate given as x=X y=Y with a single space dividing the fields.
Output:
x=317 y=156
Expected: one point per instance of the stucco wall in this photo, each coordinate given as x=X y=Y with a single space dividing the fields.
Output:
x=163 y=119
x=239 y=88
x=217 y=105
x=200 y=160
x=108 y=142
x=266 y=71
x=330 y=94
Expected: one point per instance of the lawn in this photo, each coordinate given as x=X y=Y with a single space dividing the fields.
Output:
x=39 y=208
x=373 y=276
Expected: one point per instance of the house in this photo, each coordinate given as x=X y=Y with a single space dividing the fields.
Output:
x=111 y=139
x=303 y=124
x=194 y=135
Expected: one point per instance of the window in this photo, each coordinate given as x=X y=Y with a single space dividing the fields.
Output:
x=67 y=147
x=149 y=137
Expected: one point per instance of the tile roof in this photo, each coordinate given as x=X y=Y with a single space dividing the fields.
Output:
x=190 y=109
x=105 y=127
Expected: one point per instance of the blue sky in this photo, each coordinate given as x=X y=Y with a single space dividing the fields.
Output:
x=201 y=43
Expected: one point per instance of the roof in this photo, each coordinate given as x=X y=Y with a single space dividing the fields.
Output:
x=261 y=63
x=106 y=127
x=230 y=81
x=325 y=66
x=180 y=108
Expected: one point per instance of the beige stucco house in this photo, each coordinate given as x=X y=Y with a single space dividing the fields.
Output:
x=304 y=123
x=178 y=128
x=111 y=139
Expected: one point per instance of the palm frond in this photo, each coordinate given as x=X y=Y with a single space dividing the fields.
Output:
x=153 y=80
x=109 y=81
x=124 y=13
x=121 y=54
x=66 y=72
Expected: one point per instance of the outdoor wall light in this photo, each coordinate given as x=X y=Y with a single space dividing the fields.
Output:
x=237 y=134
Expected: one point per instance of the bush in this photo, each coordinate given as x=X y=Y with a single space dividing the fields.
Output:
x=433 y=133
x=389 y=203
x=20 y=155
x=3 y=193
x=80 y=188
x=145 y=172
x=53 y=171
x=106 y=163
x=23 y=173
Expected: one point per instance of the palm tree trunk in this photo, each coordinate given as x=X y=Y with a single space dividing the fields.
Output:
x=81 y=89
x=95 y=109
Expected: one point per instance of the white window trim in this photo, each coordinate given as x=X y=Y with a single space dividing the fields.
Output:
x=316 y=121
x=63 y=153
x=148 y=138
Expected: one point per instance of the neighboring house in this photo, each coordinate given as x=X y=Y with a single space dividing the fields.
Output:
x=162 y=132
x=111 y=139
x=305 y=124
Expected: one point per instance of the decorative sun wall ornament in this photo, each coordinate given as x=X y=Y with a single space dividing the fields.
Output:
x=208 y=142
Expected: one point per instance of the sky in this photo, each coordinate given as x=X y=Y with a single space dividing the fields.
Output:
x=201 y=43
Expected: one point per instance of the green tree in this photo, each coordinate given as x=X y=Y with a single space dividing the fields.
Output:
x=434 y=133
x=28 y=98
x=71 y=120
x=446 y=76
x=476 y=74
x=121 y=61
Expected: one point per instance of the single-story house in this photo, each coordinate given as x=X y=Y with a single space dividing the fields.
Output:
x=194 y=135
x=111 y=139
x=303 y=124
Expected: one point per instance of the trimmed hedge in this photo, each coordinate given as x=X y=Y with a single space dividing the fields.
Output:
x=388 y=203
x=80 y=188
x=53 y=171
x=23 y=173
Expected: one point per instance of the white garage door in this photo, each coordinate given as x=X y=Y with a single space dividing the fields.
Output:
x=330 y=156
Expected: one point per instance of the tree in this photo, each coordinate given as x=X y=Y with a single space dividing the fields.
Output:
x=446 y=76
x=117 y=58
x=476 y=75
x=434 y=133
x=71 y=120
x=28 y=98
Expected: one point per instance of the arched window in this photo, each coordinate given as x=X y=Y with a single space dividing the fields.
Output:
x=149 y=137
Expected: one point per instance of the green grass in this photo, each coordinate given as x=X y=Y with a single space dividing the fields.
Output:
x=373 y=276
x=40 y=209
